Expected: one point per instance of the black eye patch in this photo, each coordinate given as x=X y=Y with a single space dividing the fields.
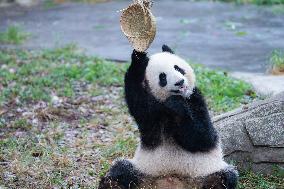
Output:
x=163 y=79
x=179 y=69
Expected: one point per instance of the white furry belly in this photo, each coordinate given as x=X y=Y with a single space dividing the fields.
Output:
x=171 y=159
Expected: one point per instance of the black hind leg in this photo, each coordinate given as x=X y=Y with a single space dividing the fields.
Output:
x=225 y=179
x=122 y=175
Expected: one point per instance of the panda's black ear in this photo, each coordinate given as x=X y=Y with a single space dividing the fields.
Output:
x=166 y=48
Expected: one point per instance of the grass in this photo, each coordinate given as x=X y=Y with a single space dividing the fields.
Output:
x=223 y=93
x=276 y=62
x=35 y=76
x=48 y=4
x=251 y=180
x=31 y=77
x=277 y=9
x=13 y=35
x=63 y=118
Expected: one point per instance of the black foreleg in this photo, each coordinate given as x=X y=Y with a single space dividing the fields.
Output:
x=194 y=131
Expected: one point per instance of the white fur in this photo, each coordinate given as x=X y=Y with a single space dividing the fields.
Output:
x=165 y=62
x=170 y=159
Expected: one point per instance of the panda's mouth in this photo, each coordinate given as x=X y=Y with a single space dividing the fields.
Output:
x=175 y=91
x=181 y=90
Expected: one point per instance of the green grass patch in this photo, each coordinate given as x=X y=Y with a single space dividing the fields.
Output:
x=31 y=76
x=122 y=147
x=241 y=33
x=277 y=9
x=48 y=4
x=13 y=35
x=223 y=92
x=266 y=2
x=276 y=61
x=277 y=58
x=259 y=181
x=26 y=158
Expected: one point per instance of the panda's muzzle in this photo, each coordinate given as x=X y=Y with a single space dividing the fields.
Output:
x=181 y=88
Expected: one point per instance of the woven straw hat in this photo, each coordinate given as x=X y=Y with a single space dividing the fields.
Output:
x=139 y=25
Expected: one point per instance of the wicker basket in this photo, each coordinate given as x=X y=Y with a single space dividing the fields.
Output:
x=139 y=25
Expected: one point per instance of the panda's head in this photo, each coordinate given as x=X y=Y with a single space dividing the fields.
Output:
x=167 y=75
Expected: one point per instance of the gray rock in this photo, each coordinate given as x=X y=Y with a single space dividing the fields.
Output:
x=253 y=136
x=270 y=134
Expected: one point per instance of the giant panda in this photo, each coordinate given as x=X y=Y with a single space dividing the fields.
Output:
x=176 y=134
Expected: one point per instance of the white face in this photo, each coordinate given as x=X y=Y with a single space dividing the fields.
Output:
x=168 y=74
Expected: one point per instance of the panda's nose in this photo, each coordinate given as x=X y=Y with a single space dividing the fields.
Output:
x=179 y=83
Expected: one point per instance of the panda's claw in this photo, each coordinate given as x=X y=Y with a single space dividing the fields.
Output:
x=137 y=54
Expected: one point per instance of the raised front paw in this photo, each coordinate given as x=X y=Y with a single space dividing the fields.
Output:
x=138 y=56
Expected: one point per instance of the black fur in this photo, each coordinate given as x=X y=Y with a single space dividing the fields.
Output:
x=179 y=83
x=142 y=105
x=185 y=120
x=177 y=68
x=122 y=175
x=225 y=179
x=166 y=48
x=163 y=79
